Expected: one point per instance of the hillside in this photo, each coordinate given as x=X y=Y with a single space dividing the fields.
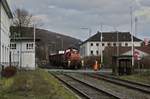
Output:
x=50 y=42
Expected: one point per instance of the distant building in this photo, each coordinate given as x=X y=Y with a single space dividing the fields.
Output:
x=5 y=22
x=23 y=53
x=93 y=45
x=141 y=54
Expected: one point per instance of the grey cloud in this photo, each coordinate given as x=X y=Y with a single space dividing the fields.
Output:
x=67 y=16
x=145 y=3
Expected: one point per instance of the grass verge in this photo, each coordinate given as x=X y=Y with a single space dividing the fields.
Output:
x=143 y=77
x=37 y=84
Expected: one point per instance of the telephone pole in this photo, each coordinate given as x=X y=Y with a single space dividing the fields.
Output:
x=101 y=40
x=132 y=41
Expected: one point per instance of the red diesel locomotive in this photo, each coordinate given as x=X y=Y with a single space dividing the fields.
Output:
x=69 y=60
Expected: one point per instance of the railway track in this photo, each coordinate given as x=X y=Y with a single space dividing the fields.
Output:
x=129 y=84
x=85 y=90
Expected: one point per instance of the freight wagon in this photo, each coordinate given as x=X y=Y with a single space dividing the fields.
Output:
x=69 y=60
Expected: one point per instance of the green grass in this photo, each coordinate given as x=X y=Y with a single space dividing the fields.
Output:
x=143 y=77
x=37 y=84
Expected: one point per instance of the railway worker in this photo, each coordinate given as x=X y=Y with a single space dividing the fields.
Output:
x=96 y=65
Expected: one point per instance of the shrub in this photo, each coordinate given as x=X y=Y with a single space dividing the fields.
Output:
x=9 y=71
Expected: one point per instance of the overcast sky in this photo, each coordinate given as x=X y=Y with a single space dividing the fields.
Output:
x=69 y=16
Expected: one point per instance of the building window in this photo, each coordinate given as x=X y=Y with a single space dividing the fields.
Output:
x=91 y=44
x=91 y=52
x=114 y=44
x=109 y=44
x=29 y=46
x=97 y=44
x=12 y=46
x=103 y=44
x=97 y=52
x=126 y=44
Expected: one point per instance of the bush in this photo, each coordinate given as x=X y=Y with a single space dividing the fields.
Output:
x=9 y=71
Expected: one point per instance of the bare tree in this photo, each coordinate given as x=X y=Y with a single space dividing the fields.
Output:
x=22 y=18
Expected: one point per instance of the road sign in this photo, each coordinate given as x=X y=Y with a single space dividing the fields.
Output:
x=137 y=55
x=146 y=41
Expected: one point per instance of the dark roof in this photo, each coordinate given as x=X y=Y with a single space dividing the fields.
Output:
x=122 y=50
x=7 y=8
x=20 y=39
x=111 y=37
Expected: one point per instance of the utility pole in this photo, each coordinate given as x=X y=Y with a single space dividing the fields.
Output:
x=34 y=35
x=132 y=41
x=101 y=40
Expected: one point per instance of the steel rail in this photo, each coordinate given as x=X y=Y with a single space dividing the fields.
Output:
x=81 y=93
x=124 y=83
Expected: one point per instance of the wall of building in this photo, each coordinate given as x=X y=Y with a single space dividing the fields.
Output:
x=83 y=50
x=87 y=48
x=4 y=37
x=22 y=56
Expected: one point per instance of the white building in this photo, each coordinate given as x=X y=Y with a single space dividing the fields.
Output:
x=23 y=53
x=93 y=45
x=5 y=22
